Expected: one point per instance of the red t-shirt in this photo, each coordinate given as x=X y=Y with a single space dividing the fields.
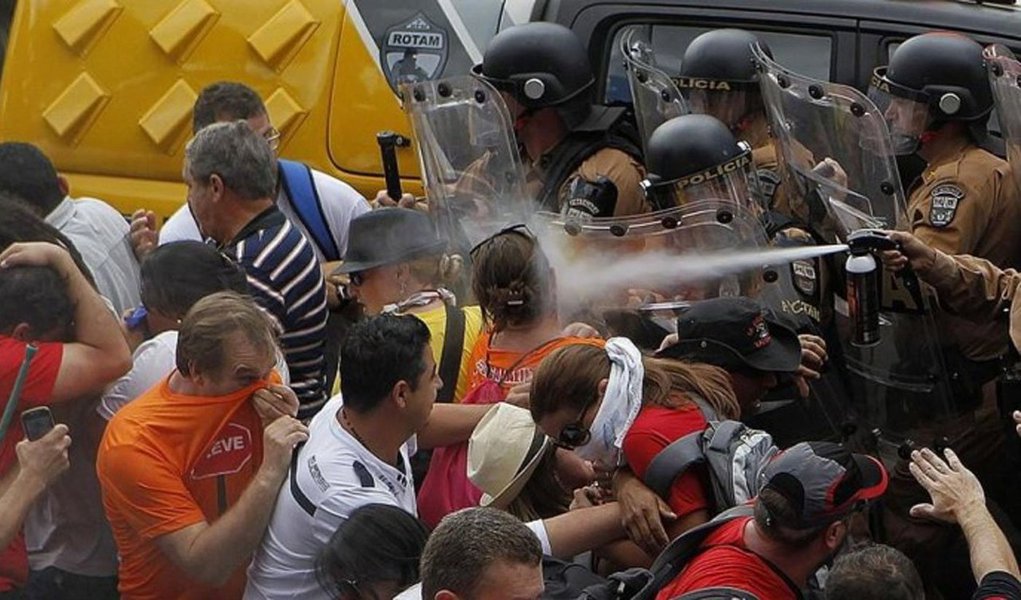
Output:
x=728 y=563
x=655 y=428
x=42 y=376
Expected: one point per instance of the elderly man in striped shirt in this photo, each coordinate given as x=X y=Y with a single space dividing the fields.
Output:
x=231 y=175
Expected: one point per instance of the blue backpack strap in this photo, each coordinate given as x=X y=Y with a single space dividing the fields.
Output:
x=300 y=188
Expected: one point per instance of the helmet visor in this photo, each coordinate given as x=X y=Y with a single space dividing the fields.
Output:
x=905 y=110
x=728 y=101
x=733 y=181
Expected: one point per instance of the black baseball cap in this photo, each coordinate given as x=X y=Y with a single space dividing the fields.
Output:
x=822 y=481
x=735 y=332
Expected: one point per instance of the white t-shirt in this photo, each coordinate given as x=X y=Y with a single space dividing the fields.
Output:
x=153 y=360
x=100 y=234
x=538 y=528
x=340 y=203
x=334 y=475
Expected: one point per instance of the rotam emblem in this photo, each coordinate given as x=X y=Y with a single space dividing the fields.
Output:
x=228 y=454
x=413 y=51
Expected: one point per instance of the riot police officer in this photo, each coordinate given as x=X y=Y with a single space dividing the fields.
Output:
x=718 y=77
x=936 y=97
x=581 y=158
x=694 y=158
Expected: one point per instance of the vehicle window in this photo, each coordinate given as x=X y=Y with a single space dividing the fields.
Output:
x=480 y=19
x=6 y=16
x=807 y=54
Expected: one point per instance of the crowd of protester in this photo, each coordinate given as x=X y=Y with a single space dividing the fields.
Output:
x=482 y=449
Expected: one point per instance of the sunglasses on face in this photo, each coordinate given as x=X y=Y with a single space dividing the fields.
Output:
x=576 y=434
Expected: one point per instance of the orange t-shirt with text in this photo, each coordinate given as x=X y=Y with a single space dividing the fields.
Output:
x=493 y=364
x=168 y=461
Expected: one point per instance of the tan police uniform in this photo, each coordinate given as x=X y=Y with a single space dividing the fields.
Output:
x=965 y=203
x=976 y=289
x=767 y=167
x=621 y=168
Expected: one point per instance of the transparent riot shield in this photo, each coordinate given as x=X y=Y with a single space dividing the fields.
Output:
x=471 y=165
x=899 y=384
x=827 y=131
x=655 y=96
x=1005 y=79
x=660 y=263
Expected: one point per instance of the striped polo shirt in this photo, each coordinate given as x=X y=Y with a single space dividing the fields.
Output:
x=285 y=279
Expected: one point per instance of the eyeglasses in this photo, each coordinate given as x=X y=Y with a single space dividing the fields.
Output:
x=272 y=137
x=576 y=434
x=520 y=229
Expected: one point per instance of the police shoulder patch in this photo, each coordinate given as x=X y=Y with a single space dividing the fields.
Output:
x=805 y=277
x=943 y=203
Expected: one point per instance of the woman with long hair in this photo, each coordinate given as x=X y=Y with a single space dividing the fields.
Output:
x=604 y=402
x=516 y=288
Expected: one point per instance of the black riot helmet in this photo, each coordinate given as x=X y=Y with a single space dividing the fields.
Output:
x=722 y=56
x=696 y=157
x=718 y=75
x=931 y=79
x=540 y=65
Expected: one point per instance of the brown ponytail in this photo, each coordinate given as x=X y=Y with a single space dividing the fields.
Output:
x=511 y=280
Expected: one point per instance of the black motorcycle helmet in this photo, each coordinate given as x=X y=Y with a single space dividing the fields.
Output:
x=539 y=64
x=721 y=56
x=695 y=157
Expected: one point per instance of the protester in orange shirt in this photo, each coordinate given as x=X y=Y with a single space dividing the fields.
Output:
x=515 y=286
x=513 y=282
x=190 y=470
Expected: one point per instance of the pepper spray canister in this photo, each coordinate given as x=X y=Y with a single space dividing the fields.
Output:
x=863 y=280
x=863 y=298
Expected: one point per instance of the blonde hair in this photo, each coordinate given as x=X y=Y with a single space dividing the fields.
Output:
x=569 y=379
x=439 y=271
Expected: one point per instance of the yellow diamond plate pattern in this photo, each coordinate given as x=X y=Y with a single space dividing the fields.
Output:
x=284 y=112
x=280 y=38
x=77 y=107
x=168 y=121
x=178 y=33
x=85 y=23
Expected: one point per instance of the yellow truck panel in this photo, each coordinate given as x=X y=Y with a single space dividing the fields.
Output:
x=106 y=87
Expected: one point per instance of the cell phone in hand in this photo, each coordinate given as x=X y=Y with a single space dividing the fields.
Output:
x=37 y=422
